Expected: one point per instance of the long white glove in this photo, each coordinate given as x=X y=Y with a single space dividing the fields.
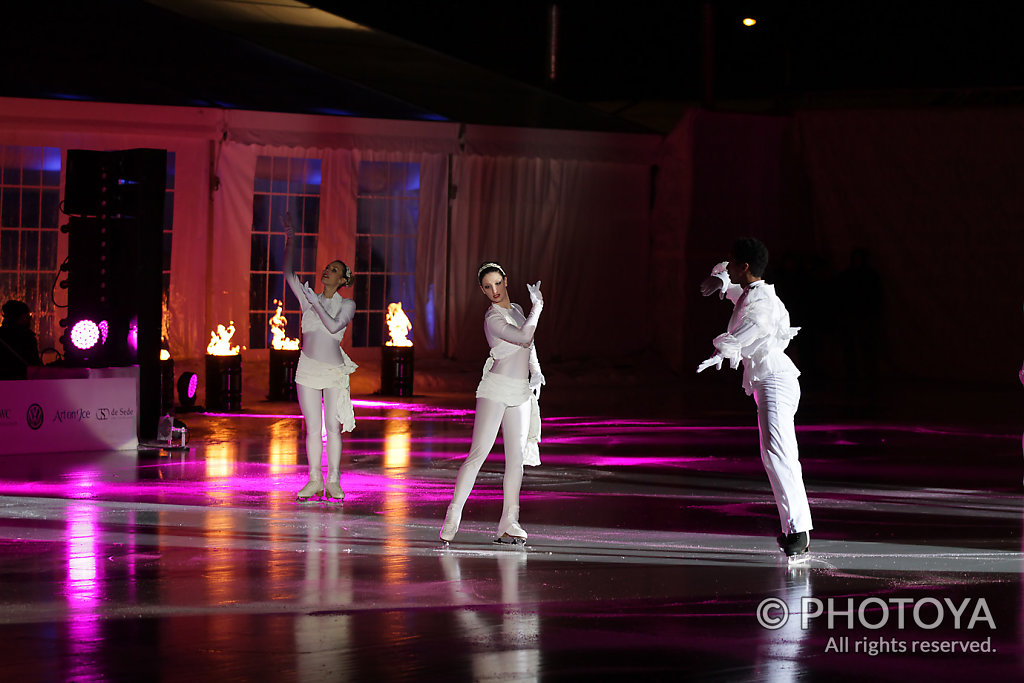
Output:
x=308 y=291
x=715 y=360
x=536 y=298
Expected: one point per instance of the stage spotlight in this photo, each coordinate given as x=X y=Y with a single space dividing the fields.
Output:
x=85 y=334
x=133 y=336
x=171 y=433
x=188 y=385
x=104 y=331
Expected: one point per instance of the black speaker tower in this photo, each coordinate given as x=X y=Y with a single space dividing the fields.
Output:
x=115 y=201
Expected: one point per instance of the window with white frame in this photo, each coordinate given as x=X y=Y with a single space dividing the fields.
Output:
x=29 y=225
x=385 y=267
x=283 y=185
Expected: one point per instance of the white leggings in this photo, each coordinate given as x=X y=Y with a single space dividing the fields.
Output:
x=514 y=421
x=310 y=400
x=777 y=399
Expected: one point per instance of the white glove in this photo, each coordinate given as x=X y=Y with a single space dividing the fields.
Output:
x=308 y=291
x=536 y=298
x=536 y=379
x=715 y=360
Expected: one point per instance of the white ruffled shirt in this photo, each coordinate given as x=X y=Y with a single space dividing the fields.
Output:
x=758 y=331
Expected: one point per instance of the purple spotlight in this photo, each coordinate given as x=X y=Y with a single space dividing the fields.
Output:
x=133 y=335
x=188 y=384
x=104 y=330
x=85 y=334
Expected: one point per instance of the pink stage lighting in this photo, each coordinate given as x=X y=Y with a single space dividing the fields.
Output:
x=188 y=384
x=104 y=330
x=133 y=335
x=85 y=334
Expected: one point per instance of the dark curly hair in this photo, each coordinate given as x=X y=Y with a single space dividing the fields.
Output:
x=751 y=251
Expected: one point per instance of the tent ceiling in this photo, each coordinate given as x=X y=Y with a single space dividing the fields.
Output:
x=276 y=55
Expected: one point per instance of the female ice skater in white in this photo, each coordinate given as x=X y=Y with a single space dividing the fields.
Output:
x=322 y=375
x=507 y=397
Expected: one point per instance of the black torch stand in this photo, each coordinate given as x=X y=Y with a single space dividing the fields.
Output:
x=396 y=370
x=282 y=374
x=167 y=386
x=223 y=383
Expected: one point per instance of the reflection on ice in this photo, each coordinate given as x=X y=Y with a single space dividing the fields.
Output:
x=503 y=644
x=778 y=653
x=83 y=592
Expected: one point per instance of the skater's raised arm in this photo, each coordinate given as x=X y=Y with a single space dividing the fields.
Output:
x=719 y=283
x=289 y=263
x=333 y=323
x=499 y=327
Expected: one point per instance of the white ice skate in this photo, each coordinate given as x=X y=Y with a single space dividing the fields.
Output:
x=509 y=531
x=452 y=519
x=312 y=491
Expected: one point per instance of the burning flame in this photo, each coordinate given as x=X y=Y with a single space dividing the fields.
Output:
x=165 y=354
x=398 y=325
x=277 y=326
x=220 y=341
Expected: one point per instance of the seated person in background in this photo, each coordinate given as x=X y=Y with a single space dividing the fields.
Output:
x=18 y=345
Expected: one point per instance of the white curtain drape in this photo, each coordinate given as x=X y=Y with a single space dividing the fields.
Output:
x=227 y=292
x=338 y=189
x=186 y=322
x=581 y=227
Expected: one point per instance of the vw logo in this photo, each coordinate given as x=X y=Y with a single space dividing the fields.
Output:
x=34 y=416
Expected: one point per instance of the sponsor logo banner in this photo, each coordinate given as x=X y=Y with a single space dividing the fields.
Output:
x=54 y=415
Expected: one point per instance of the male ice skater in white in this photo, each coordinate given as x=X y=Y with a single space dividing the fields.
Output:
x=758 y=334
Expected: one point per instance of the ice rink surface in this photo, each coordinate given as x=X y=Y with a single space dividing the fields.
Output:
x=651 y=555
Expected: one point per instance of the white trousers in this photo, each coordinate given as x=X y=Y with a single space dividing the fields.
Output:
x=310 y=400
x=514 y=421
x=777 y=399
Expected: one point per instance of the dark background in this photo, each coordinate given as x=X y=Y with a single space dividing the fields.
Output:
x=654 y=50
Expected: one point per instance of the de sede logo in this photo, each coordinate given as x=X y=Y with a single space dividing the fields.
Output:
x=114 y=413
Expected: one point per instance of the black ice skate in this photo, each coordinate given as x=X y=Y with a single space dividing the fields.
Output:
x=795 y=545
